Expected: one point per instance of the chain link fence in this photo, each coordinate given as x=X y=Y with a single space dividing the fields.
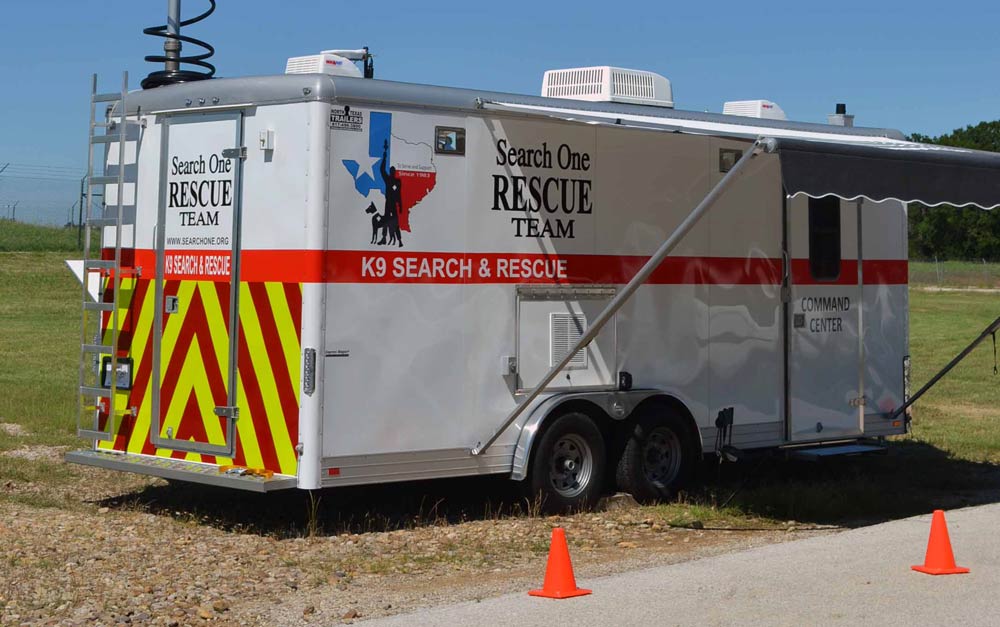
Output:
x=955 y=273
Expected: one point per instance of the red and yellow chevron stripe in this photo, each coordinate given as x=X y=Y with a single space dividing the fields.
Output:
x=194 y=367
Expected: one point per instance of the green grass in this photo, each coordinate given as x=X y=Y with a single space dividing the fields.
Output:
x=961 y=414
x=23 y=237
x=955 y=274
x=951 y=457
x=39 y=344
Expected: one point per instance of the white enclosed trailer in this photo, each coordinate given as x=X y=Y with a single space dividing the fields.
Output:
x=311 y=280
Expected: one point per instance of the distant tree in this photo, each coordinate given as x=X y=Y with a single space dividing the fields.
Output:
x=947 y=232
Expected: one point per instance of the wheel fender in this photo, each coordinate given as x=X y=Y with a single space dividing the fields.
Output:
x=616 y=405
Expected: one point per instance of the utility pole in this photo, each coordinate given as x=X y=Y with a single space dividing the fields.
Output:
x=4 y=167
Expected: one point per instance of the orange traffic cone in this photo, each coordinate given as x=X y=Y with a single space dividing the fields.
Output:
x=939 y=560
x=559 y=580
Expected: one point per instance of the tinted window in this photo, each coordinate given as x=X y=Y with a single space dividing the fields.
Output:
x=824 y=238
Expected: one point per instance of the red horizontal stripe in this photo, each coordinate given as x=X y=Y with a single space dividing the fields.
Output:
x=357 y=266
x=886 y=271
x=876 y=272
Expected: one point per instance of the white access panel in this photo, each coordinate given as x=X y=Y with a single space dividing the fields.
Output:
x=547 y=326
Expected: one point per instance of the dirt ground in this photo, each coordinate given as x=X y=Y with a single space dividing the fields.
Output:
x=112 y=549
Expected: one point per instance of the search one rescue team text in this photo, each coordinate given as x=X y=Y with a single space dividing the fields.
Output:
x=550 y=198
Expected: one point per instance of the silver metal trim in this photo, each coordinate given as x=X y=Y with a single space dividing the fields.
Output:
x=294 y=88
x=619 y=405
x=861 y=323
x=754 y=435
x=413 y=465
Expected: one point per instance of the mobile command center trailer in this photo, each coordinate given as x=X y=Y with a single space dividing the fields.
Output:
x=312 y=280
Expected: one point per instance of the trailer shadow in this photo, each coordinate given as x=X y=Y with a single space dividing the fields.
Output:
x=333 y=511
x=913 y=478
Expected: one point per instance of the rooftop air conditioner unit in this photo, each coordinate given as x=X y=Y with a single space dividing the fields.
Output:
x=754 y=109
x=608 y=84
x=335 y=62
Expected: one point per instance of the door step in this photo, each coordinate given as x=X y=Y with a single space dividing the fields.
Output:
x=822 y=452
x=181 y=470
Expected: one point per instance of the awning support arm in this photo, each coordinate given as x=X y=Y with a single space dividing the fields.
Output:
x=991 y=329
x=626 y=292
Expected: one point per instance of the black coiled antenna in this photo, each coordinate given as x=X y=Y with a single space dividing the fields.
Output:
x=171 y=57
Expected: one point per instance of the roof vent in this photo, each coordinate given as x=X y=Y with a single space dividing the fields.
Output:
x=335 y=62
x=608 y=84
x=841 y=117
x=754 y=109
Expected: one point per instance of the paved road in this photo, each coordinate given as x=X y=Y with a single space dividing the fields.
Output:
x=856 y=577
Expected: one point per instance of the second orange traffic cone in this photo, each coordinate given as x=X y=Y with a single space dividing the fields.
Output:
x=559 y=580
x=939 y=559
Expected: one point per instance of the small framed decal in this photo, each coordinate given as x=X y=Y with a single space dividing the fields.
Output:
x=449 y=140
x=728 y=158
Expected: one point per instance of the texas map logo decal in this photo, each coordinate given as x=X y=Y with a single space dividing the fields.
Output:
x=397 y=175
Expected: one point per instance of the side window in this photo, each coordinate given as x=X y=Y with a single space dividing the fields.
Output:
x=824 y=238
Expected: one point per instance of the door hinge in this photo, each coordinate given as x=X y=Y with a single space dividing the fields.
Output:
x=228 y=411
x=235 y=153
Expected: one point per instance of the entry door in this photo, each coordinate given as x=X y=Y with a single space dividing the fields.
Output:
x=823 y=318
x=197 y=284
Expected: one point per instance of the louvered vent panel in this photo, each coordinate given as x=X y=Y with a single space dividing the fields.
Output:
x=305 y=65
x=575 y=83
x=565 y=330
x=632 y=85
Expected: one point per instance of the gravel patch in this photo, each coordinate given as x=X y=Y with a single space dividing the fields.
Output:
x=117 y=566
x=86 y=546
x=13 y=429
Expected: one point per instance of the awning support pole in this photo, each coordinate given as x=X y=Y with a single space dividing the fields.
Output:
x=626 y=292
x=992 y=328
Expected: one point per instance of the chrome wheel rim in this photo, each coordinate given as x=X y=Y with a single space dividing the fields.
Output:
x=661 y=457
x=572 y=466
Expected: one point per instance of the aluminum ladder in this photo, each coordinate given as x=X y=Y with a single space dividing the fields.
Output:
x=98 y=345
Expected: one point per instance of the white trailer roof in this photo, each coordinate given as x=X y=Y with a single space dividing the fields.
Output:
x=816 y=159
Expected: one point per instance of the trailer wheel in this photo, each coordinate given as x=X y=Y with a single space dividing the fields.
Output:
x=659 y=457
x=568 y=465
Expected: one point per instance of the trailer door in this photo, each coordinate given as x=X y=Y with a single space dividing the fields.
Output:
x=195 y=326
x=824 y=367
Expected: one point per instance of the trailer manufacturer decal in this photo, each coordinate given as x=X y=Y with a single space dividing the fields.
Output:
x=343 y=119
x=398 y=188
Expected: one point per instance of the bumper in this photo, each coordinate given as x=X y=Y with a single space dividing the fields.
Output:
x=180 y=470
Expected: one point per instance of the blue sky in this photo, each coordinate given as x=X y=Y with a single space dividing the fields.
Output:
x=916 y=66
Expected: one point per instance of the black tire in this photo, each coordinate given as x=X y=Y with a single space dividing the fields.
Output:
x=660 y=456
x=568 y=464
